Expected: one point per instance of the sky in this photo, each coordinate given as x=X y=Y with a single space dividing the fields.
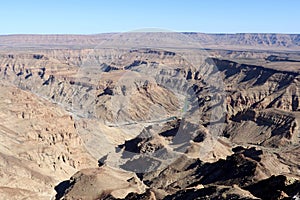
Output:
x=99 y=16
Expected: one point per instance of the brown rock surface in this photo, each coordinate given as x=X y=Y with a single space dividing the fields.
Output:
x=98 y=183
x=185 y=123
x=39 y=145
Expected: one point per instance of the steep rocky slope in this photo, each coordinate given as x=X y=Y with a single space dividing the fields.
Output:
x=162 y=120
x=39 y=145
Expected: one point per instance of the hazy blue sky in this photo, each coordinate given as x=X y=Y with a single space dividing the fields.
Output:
x=92 y=16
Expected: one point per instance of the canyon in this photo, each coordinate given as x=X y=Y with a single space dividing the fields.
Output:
x=150 y=116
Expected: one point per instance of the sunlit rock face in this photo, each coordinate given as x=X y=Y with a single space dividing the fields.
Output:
x=149 y=116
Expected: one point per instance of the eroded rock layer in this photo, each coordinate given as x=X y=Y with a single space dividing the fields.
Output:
x=82 y=119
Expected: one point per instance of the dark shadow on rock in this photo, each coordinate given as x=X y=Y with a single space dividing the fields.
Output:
x=61 y=188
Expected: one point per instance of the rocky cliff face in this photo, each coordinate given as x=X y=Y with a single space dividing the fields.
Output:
x=39 y=145
x=262 y=101
x=161 y=123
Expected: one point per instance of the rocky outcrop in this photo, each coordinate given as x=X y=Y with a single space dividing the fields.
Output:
x=100 y=183
x=236 y=177
x=275 y=187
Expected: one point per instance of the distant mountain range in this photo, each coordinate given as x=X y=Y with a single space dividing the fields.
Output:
x=263 y=41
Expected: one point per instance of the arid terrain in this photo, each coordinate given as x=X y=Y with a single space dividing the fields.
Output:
x=156 y=115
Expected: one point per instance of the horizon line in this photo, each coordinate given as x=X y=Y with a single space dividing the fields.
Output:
x=183 y=32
